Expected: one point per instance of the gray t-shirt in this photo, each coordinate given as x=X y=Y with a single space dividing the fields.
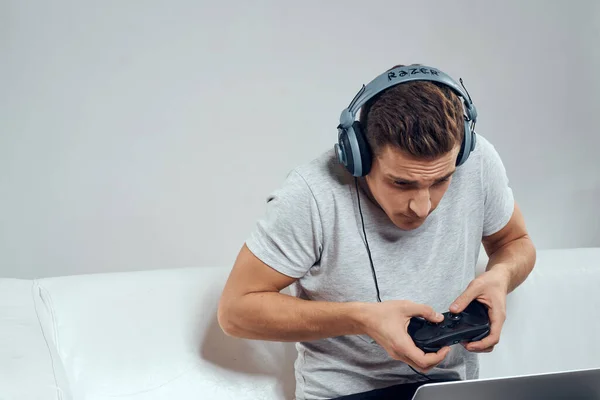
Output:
x=312 y=231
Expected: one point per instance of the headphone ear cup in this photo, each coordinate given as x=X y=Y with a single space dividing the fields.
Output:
x=467 y=145
x=343 y=150
x=473 y=140
x=364 y=149
x=459 y=158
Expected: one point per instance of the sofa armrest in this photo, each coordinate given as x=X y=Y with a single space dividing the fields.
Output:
x=29 y=365
x=151 y=335
x=550 y=319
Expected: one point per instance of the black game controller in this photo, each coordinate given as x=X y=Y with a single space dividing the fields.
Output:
x=471 y=325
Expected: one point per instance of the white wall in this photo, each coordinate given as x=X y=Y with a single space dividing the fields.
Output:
x=147 y=134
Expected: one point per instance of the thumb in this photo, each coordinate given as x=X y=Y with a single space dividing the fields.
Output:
x=421 y=310
x=462 y=301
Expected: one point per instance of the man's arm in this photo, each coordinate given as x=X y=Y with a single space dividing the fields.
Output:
x=511 y=259
x=252 y=307
x=511 y=250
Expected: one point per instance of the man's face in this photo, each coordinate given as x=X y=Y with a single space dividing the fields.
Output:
x=409 y=189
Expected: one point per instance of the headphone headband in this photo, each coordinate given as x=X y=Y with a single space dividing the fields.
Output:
x=352 y=149
x=401 y=75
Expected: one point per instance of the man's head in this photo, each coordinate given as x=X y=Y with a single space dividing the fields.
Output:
x=414 y=130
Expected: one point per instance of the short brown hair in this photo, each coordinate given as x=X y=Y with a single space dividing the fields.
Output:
x=422 y=118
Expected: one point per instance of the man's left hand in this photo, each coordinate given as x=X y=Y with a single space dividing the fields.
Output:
x=489 y=288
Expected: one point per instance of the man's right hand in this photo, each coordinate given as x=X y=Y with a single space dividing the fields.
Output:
x=387 y=324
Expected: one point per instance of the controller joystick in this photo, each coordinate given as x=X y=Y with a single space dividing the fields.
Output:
x=470 y=325
x=454 y=317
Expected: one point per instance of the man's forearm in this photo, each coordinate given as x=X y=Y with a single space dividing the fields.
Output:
x=279 y=317
x=516 y=259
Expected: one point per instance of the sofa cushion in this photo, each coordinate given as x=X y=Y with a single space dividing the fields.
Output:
x=29 y=368
x=154 y=335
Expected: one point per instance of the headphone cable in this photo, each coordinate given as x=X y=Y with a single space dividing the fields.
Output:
x=366 y=241
x=371 y=262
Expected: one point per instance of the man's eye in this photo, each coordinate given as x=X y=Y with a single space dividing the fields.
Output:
x=405 y=184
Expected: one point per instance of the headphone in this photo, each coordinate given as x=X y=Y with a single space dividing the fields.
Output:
x=352 y=148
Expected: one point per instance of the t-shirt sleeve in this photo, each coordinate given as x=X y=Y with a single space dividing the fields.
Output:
x=288 y=237
x=499 y=200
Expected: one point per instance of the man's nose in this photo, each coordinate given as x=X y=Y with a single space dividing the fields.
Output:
x=421 y=203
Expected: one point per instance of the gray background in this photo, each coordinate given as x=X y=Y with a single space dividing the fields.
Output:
x=142 y=135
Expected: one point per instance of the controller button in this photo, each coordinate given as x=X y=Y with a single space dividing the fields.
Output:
x=454 y=317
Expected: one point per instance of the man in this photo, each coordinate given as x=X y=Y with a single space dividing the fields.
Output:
x=386 y=229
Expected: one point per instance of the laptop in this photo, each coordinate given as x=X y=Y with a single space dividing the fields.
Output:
x=573 y=385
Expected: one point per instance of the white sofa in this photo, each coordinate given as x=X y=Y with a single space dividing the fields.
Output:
x=154 y=335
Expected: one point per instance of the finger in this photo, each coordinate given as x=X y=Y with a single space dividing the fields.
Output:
x=488 y=341
x=421 y=310
x=471 y=293
x=486 y=350
x=424 y=361
x=496 y=322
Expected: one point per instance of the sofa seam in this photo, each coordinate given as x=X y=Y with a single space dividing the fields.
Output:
x=58 y=389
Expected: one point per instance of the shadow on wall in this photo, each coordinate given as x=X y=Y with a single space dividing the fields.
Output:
x=252 y=357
